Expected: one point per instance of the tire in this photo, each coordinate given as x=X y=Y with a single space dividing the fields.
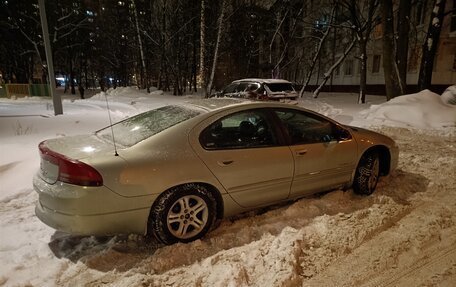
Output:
x=182 y=214
x=367 y=174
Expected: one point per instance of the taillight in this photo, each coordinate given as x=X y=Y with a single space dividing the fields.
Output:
x=70 y=170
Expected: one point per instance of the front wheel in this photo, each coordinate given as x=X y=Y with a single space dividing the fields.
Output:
x=367 y=174
x=183 y=214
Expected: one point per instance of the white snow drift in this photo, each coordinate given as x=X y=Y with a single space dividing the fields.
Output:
x=404 y=234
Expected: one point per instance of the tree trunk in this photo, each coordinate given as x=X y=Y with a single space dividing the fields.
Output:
x=73 y=91
x=403 y=28
x=194 y=67
x=276 y=70
x=430 y=45
x=144 y=81
x=217 y=46
x=202 y=64
x=392 y=84
x=363 y=70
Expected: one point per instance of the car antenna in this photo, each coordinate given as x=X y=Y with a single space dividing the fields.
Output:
x=110 y=122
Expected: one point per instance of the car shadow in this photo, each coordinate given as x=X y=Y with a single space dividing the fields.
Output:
x=148 y=256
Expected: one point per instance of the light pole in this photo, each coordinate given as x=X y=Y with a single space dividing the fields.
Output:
x=56 y=100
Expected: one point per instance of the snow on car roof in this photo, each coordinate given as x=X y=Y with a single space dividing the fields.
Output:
x=267 y=81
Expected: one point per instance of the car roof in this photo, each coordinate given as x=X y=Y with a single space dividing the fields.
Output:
x=266 y=81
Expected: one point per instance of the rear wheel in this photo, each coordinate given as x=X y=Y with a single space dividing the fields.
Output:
x=183 y=214
x=367 y=174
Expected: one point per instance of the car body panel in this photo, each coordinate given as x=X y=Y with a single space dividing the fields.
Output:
x=244 y=178
x=80 y=146
x=367 y=139
x=322 y=166
x=269 y=183
x=90 y=210
x=250 y=186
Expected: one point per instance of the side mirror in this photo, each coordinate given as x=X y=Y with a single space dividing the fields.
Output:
x=327 y=138
x=342 y=134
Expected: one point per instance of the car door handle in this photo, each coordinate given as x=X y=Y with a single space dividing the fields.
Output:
x=225 y=162
x=301 y=152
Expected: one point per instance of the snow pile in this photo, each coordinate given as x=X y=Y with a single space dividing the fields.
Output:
x=402 y=235
x=118 y=92
x=449 y=96
x=423 y=110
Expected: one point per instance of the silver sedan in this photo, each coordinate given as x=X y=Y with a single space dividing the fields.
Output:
x=173 y=171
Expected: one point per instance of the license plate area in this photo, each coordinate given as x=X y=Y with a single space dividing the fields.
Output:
x=49 y=172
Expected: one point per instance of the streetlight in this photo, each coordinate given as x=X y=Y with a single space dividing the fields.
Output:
x=56 y=100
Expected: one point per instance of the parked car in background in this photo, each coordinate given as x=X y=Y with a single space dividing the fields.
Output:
x=259 y=89
x=180 y=168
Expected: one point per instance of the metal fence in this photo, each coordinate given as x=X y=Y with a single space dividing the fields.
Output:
x=2 y=91
x=24 y=90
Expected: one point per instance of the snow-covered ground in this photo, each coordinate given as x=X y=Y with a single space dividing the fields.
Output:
x=402 y=235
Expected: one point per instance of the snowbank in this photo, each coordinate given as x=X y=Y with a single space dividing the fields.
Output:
x=449 y=96
x=405 y=230
x=423 y=110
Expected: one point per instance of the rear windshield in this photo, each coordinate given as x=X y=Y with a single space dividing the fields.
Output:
x=280 y=87
x=145 y=125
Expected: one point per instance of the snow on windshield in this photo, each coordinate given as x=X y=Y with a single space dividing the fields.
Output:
x=142 y=126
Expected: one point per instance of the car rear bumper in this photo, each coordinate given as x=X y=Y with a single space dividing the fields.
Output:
x=90 y=210
x=101 y=224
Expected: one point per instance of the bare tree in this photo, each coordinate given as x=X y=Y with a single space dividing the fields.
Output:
x=20 y=29
x=361 y=22
x=330 y=71
x=202 y=62
x=402 y=42
x=144 y=82
x=430 y=45
x=318 y=48
x=392 y=80
x=220 y=29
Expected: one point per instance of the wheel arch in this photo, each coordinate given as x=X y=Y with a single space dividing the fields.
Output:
x=217 y=195
x=384 y=156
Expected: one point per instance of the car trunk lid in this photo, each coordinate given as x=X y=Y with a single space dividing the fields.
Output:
x=61 y=159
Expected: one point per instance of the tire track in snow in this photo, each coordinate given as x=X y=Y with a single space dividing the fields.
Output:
x=438 y=261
